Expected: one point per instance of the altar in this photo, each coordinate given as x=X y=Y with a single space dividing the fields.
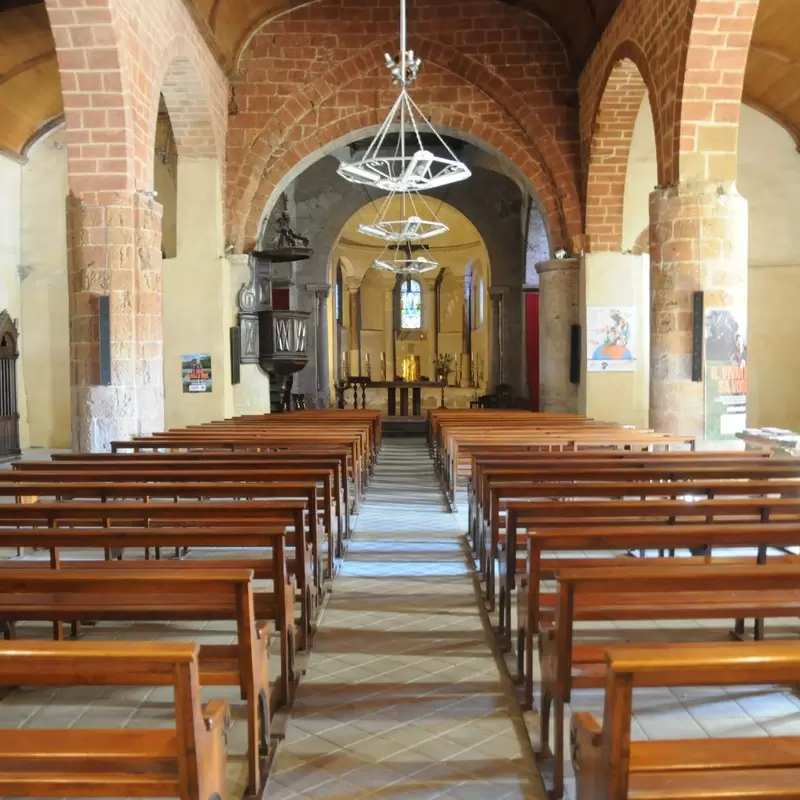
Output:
x=383 y=396
x=416 y=388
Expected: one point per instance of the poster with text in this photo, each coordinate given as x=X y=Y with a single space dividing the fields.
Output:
x=610 y=338
x=196 y=372
x=726 y=373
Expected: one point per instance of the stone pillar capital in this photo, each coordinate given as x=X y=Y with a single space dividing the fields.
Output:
x=498 y=294
x=352 y=283
x=238 y=259
x=321 y=290
x=556 y=264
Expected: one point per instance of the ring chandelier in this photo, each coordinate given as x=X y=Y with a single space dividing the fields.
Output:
x=405 y=173
x=401 y=260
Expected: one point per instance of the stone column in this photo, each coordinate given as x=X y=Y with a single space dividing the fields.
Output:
x=321 y=292
x=698 y=242
x=559 y=309
x=114 y=250
x=431 y=323
x=353 y=289
x=388 y=281
x=497 y=375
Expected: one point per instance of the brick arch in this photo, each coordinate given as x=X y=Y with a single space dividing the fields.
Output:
x=554 y=181
x=355 y=126
x=100 y=136
x=187 y=101
x=708 y=94
x=606 y=153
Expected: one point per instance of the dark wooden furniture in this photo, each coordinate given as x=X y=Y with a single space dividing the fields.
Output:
x=416 y=395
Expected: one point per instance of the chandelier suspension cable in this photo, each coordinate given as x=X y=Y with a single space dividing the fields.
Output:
x=399 y=172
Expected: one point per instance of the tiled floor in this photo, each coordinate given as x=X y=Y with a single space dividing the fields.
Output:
x=403 y=697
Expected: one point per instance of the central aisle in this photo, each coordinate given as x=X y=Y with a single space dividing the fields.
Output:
x=403 y=697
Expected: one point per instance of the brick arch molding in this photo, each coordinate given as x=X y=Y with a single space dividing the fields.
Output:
x=627 y=82
x=356 y=126
x=187 y=100
x=89 y=128
x=706 y=118
x=547 y=171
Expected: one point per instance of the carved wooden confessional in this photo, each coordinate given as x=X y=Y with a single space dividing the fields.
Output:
x=9 y=415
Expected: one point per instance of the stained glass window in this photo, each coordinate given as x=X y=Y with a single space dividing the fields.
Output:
x=411 y=305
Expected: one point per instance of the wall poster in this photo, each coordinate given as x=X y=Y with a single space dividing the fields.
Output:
x=610 y=338
x=196 y=372
x=726 y=373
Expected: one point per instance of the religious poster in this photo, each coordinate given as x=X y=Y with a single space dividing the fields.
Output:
x=726 y=373
x=196 y=372
x=610 y=338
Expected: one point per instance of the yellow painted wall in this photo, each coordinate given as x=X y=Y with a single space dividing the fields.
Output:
x=769 y=179
x=45 y=303
x=198 y=307
x=10 y=259
x=613 y=279
x=773 y=354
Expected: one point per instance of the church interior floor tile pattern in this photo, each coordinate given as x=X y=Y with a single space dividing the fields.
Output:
x=404 y=697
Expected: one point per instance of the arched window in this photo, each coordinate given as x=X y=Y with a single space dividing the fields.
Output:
x=338 y=296
x=410 y=305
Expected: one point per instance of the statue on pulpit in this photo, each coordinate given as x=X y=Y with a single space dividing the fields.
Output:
x=286 y=236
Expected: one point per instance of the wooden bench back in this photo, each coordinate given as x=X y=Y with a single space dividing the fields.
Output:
x=726 y=663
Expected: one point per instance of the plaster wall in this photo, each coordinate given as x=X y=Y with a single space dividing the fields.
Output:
x=165 y=168
x=198 y=307
x=769 y=179
x=640 y=179
x=44 y=310
x=614 y=279
x=10 y=255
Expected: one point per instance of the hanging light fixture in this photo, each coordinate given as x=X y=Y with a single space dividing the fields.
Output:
x=401 y=259
x=403 y=172
x=412 y=227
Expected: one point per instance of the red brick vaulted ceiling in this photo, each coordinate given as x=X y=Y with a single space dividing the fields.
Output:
x=30 y=92
x=578 y=23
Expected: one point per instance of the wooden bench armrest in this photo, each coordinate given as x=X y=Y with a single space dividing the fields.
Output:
x=584 y=722
x=262 y=631
x=217 y=715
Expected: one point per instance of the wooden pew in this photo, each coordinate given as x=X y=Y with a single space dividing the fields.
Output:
x=331 y=470
x=644 y=593
x=531 y=495
x=299 y=497
x=243 y=442
x=611 y=536
x=489 y=472
x=132 y=594
x=210 y=525
x=188 y=761
x=136 y=472
x=609 y=766
x=587 y=514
